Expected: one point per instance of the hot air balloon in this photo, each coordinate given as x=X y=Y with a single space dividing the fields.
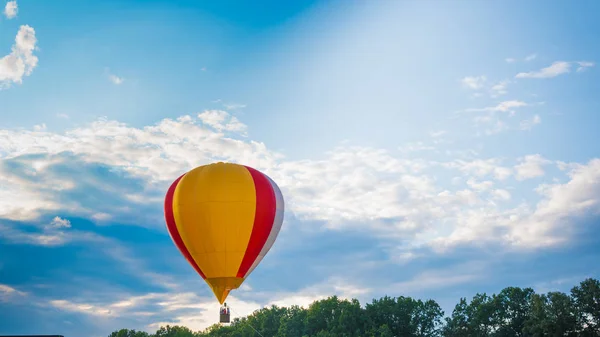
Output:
x=224 y=218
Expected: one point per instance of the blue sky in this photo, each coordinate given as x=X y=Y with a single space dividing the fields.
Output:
x=430 y=149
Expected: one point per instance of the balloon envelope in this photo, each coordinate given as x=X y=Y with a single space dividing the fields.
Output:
x=224 y=218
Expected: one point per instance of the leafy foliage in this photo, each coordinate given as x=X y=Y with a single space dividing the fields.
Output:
x=514 y=312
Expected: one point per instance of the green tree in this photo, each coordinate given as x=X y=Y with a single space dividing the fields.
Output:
x=587 y=301
x=128 y=333
x=266 y=321
x=457 y=325
x=405 y=316
x=340 y=317
x=536 y=324
x=292 y=322
x=384 y=331
x=217 y=330
x=480 y=313
x=553 y=314
x=175 y=331
x=428 y=318
x=512 y=307
x=562 y=315
x=477 y=318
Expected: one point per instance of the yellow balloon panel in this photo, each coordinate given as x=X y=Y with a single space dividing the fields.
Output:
x=214 y=211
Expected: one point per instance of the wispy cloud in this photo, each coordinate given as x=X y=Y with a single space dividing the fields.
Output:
x=115 y=79
x=583 y=65
x=416 y=147
x=474 y=82
x=40 y=127
x=8 y=293
x=555 y=69
x=498 y=118
x=531 y=167
x=491 y=124
x=434 y=279
x=234 y=106
x=527 y=58
x=499 y=88
x=438 y=134
x=527 y=124
x=479 y=83
x=49 y=235
x=505 y=106
x=222 y=121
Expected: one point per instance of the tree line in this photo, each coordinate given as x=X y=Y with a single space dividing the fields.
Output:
x=513 y=311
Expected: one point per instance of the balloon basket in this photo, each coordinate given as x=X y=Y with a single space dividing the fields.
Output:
x=225 y=318
x=224 y=314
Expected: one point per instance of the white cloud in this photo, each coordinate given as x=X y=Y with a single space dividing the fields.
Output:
x=491 y=123
x=115 y=79
x=505 y=106
x=482 y=168
x=508 y=105
x=563 y=166
x=222 y=121
x=501 y=194
x=555 y=69
x=583 y=65
x=433 y=280
x=527 y=124
x=82 y=308
x=112 y=77
x=530 y=167
x=11 y=9
x=399 y=197
x=40 y=127
x=474 y=82
x=21 y=61
x=59 y=222
x=552 y=220
x=437 y=134
x=499 y=88
x=8 y=293
x=26 y=204
x=480 y=185
x=51 y=235
x=234 y=106
x=416 y=147
x=527 y=58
